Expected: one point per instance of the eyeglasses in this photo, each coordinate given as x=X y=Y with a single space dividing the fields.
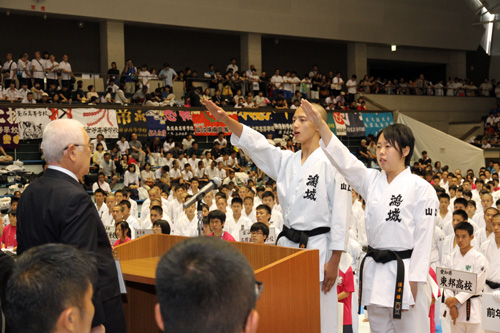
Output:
x=77 y=145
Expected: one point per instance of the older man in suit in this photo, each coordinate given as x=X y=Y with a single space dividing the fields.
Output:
x=56 y=209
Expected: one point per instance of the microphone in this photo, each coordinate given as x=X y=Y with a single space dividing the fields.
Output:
x=212 y=184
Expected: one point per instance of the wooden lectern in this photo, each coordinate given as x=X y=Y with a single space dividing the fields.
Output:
x=289 y=301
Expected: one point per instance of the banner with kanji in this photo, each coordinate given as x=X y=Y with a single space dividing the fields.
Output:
x=340 y=126
x=98 y=121
x=282 y=122
x=354 y=124
x=374 y=122
x=31 y=122
x=205 y=124
x=9 y=130
x=156 y=124
x=130 y=121
x=262 y=122
x=178 y=123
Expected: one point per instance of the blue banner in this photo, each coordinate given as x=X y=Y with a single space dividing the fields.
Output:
x=374 y=122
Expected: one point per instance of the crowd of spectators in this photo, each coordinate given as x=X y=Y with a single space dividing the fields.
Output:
x=44 y=80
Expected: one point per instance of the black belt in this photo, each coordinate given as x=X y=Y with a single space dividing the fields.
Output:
x=383 y=257
x=467 y=306
x=493 y=285
x=299 y=236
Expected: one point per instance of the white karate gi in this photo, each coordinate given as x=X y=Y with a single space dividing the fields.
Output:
x=481 y=237
x=312 y=195
x=145 y=208
x=441 y=222
x=399 y=216
x=133 y=208
x=107 y=218
x=437 y=245
x=252 y=217
x=134 y=225
x=448 y=228
x=185 y=227
x=475 y=262
x=104 y=209
x=492 y=254
x=234 y=227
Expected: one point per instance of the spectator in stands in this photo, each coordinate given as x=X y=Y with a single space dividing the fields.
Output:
x=136 y=149
x=113 y=74
x=277 y=83
x=168 y=75
x=232 y=66
x=64 y=95
x=101 y=184
x=12 y=94
x=184 y=269
x=147 y=176
x=108 y=168
x=66 y=72
x=259 y=233
x=98 y=154
x=8 y=237
x=161 y=227
x=29 y=99
x=130 y=76
x=131 y=179
x=425 y=160
x=51 y=290
x=123 y=233
x=352 y=87
x=9 y=70
x=120 y=95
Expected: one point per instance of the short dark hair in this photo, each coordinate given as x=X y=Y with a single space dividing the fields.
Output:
x=266 y=207
x=444 y=196
x=237 y=200
x=217 y=214
x=158 y=209
x=473 y=203
x=399 y=136
x=259 y=226
x=164 y=225
x=462 y=201
x=209 y=277
x=267 y=194
x=99 y=190
x=462 y=213
x=465 y=226
x=126 y=203
x=33 y=301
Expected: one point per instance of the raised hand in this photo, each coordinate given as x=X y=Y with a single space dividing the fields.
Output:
x=217 y=112
x=311 y=113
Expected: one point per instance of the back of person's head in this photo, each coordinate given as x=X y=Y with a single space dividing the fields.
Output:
x=205 y=285
x=58 y=135
x=51 y=285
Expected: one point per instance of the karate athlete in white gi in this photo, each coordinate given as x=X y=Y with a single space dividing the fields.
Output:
x=400 y=212
x=315 y=198
x=464 y=309
x=491 y=250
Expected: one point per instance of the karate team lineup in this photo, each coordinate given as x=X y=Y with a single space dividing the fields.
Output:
x=396 y=284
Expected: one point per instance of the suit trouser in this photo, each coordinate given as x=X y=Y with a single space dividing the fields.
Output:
x=415 y=320
x=328 y=309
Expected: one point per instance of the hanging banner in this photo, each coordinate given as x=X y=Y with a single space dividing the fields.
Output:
x=97 y=121
x=282 y=122
x=156 y=124
x=31 y=122
x=178 y=123
x=340 y=125
x=330 y=121
x=354 y=124
x=130 y=121
x=9 y=130
x=374 y=122
x=205 y=124
x=259 y=121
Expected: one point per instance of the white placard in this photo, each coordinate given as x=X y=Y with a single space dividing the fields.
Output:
x=246 y=237
x=142 y=232
x=110 y=230
x=490 y=313
x=460 y=281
